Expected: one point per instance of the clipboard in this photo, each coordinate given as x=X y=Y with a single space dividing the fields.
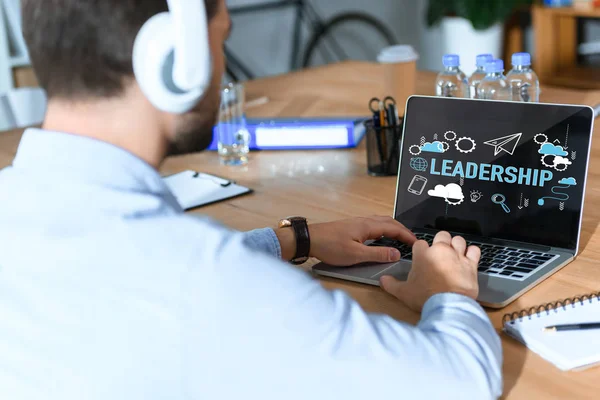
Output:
x=194 y=189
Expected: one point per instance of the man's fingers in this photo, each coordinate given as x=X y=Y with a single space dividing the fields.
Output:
x=376 y=254
x=419 y=249
x=443 y=237
x=385 y=226
x=459 y=244
x=393 y=286
x=474 y=254
x=420 y=246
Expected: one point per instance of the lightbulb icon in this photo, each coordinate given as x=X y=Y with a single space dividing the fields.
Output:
x=476 y=196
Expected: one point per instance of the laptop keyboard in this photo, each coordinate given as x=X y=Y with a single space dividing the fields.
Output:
x=500 y=261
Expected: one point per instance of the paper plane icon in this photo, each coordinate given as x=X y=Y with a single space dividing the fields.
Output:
x=507 y=144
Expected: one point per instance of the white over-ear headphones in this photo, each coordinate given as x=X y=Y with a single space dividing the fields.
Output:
x=171 y=56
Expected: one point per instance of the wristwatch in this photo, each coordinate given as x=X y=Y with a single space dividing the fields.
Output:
x=300 y=227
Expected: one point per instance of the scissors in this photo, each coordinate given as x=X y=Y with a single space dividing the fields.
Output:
x=501 y=199
x=375 y=103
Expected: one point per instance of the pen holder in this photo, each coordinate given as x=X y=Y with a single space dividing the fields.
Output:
x=383 y=149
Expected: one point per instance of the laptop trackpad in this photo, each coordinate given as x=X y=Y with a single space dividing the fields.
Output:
x=398 y=270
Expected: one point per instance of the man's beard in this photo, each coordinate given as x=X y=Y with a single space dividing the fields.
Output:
x=194 y=130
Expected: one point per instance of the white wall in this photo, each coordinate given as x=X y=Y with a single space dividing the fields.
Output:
x=430 y=43
x=263 y=41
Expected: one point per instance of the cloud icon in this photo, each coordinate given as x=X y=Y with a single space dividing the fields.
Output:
x=568 y=181
x=439 y=191
x=435 y=147
x=558 y=160
x=551 y=150
x=452 y=193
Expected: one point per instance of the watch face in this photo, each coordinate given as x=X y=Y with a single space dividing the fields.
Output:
x=285 y=223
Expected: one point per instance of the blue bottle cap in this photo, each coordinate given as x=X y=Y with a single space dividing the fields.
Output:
x=494 y=66
x=483 y=59
x=451 y=60
x=521 y=59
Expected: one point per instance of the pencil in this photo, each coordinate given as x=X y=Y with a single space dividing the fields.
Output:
x=383 y=133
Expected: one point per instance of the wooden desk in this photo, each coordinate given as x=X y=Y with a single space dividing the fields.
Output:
x=328 y=185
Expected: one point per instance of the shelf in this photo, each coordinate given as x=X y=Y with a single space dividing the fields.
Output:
x=577 y=78
x=572 y=12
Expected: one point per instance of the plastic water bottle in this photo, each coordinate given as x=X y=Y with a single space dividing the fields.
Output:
x=495 y=85
x=451 y=82
x=524 y=83
x=479 y=74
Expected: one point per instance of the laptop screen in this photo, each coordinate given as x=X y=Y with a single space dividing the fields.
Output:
x=512 y=171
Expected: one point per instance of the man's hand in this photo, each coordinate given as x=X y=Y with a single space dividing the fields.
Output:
x=340 y=243
x=445 y=267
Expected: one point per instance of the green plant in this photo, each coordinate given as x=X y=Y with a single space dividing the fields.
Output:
x=481 y=13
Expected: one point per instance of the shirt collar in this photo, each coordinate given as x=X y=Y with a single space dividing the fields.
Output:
x=87 y=159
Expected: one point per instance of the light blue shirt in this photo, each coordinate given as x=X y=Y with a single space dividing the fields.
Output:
x=109 y=291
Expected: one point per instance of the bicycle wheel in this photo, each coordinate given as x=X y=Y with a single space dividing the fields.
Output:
x=355 y=36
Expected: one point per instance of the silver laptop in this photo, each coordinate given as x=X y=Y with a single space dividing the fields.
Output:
x=509 y=177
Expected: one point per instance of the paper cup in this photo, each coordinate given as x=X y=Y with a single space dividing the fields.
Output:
x=399 y=73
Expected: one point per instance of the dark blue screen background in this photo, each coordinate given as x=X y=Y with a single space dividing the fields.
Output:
x=554 y=224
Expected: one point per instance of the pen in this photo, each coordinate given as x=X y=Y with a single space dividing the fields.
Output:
x=384 y=121
x=572 y=327
x=392 y=110
x=377 y=129
x=376 y=120
x=391 y=115
x=383 y=132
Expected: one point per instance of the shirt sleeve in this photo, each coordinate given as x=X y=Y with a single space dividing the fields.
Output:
x=264 y=240
x=274 y=331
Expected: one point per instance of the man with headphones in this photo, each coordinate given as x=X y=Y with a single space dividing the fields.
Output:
x=109 y=291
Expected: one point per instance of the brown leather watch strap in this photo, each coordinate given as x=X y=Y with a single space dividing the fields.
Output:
x=300 y=227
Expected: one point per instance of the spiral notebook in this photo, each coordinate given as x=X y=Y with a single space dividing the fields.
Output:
x=193 y=189
x=567 y=350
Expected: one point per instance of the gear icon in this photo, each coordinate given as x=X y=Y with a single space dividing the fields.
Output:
x=468 y=149
x=561 y=167
x=540 y=135
x=445 y=147
x=545 y=164
x=450 y=136
x=454 y=202
x=414 y=152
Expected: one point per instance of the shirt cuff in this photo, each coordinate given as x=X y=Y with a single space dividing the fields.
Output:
x=264 y=240
x=453 y=300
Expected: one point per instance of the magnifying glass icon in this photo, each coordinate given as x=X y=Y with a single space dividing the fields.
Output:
x=501 y=199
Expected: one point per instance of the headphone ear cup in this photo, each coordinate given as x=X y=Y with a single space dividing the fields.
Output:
x=153 y=59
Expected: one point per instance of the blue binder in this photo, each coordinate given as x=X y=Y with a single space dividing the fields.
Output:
x=302 y=133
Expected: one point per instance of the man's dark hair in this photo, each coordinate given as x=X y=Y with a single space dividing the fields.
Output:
x=83 y=48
